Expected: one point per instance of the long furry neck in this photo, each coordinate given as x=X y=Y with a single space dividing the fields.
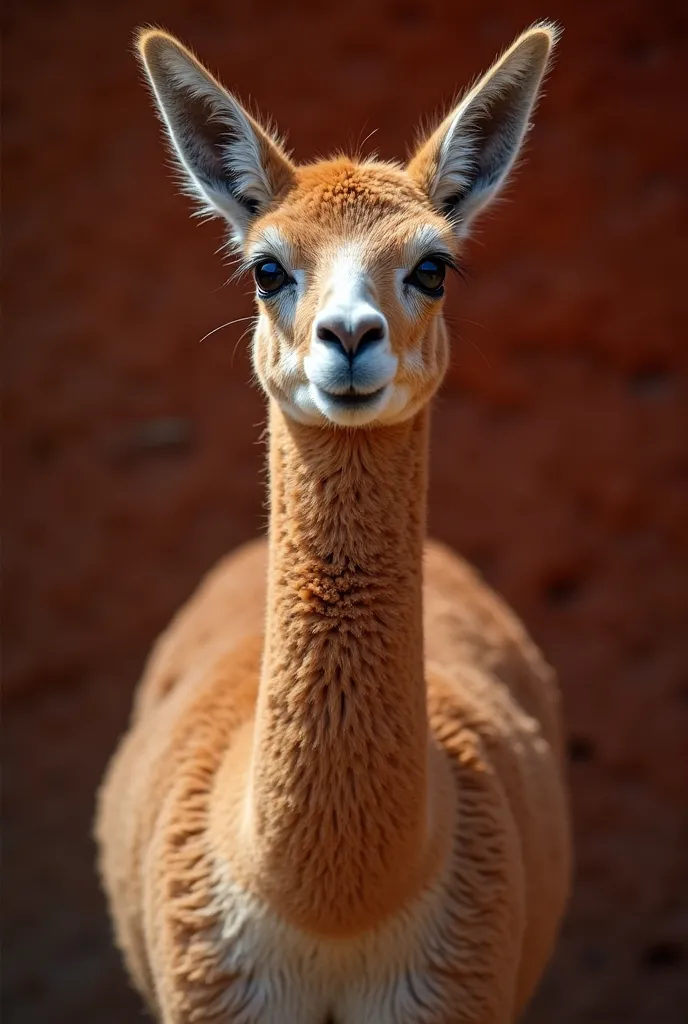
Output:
x=339 y=777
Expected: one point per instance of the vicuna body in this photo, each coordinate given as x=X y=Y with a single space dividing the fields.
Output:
x=340 y=799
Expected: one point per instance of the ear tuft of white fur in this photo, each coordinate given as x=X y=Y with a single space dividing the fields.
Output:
x=229 y=162
x=465 y=162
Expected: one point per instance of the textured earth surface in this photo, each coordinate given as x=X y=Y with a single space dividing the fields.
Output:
x=560 y=457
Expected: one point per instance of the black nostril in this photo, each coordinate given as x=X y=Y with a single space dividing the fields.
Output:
x=347 y=342
x=371 y=336
x=325 y=335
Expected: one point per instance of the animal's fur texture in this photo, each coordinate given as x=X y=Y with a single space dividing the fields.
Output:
x=341 y=796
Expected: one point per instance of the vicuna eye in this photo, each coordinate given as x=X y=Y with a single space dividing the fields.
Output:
x=428 y=275
x=270 y=276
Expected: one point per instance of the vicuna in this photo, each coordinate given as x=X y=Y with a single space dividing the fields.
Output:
x=340 y=798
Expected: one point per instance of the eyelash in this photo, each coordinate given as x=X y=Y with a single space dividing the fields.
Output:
x=441 y=257
x=261 y=257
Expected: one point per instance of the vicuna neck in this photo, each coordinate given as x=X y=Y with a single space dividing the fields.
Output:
x=339 y=786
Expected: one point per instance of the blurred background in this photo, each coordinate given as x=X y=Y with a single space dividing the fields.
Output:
x=559 y=462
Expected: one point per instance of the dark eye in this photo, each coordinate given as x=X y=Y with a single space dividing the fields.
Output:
x=428 y=275
x=270 y=276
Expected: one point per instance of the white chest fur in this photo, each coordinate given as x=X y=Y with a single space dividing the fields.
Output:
x=277 y=974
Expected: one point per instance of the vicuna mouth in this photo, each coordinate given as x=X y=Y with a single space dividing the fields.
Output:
x=353 y=399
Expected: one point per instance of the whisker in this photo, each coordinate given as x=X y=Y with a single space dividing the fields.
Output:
x=473 y=323
x=228 y=324
x=368 y=136
x=462 y=337
x=453 y=321
x=238 y=342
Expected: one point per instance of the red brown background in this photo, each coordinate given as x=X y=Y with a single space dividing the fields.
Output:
x=560 y=457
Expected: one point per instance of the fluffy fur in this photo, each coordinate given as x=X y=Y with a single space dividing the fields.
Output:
x=340 y=798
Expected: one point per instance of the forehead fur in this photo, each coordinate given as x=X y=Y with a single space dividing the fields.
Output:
x=341 y=188
x=338 y=199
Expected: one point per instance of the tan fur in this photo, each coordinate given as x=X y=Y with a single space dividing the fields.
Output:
x=340 y=798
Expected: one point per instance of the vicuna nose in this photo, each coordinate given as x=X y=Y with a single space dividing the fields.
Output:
x=352 y=334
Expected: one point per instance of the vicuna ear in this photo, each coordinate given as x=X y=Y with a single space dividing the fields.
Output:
x=467 y=159
x=231 y=164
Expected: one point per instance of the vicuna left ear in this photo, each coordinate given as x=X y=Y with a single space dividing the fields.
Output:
x=230 y=163
x=466 y=160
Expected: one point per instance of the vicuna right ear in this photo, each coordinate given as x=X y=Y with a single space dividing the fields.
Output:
x=465 y=162
x=232 y=165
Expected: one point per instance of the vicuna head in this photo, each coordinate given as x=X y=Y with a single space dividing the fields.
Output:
x=349 y=256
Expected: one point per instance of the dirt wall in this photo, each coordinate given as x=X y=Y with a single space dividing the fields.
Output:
x=559 y=465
